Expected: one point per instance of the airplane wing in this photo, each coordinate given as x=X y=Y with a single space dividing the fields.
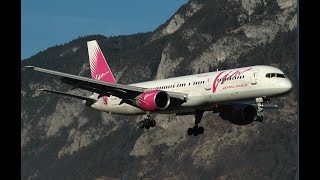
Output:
x=69 y=94
x=125 y=92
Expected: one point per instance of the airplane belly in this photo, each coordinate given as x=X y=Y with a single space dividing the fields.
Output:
x=242 y=95
x=196 y=101
x=113 y=106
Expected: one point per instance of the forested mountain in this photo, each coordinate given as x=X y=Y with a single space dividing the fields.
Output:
x=62 y=139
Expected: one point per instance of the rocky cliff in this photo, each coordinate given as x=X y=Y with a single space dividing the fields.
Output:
x=61 y=138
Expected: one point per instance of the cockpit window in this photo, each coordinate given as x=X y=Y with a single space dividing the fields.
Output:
x=271 y=75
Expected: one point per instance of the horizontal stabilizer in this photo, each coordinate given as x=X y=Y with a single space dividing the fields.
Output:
x=69 y=94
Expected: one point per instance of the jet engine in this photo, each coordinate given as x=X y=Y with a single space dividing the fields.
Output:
x=153 y=100
x=240 y=114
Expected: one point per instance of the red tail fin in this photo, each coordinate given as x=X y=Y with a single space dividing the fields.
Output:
x=98 y=64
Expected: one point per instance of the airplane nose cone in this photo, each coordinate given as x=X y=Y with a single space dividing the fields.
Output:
x=287 y=85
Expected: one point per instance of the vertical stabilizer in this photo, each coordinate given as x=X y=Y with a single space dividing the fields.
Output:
x=98 y=64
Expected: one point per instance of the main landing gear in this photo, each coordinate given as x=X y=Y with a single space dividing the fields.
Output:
x=260 y=101
x=196 y=129
x=147 y=123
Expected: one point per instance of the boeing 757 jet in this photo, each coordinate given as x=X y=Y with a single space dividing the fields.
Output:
x=224 y=92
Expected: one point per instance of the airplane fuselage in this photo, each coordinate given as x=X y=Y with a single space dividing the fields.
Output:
x=206 y=89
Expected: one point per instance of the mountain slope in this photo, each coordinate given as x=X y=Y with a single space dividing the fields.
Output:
x=62 y=139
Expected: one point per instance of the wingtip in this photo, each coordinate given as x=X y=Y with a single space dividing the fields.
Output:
x=29 y=67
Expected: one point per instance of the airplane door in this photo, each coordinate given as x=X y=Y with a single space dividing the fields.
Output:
x=208 y=84
x=255 y=77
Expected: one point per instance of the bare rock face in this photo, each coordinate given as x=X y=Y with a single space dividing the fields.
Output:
x=216 y=141
x=170 y=131
x=25 y=135
x=193 y=8
x=64 y=115
x=250 y=5
x=173 y=25
x=77 y=140
x=177 y=21
x=80 y=137
x=286 y=3
x=69 y=51
x=167 y=64
x=245 y=38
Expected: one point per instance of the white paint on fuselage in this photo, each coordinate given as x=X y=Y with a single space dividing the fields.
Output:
x=252 y=84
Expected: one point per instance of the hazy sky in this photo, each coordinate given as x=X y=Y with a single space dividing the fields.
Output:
x=48 y=23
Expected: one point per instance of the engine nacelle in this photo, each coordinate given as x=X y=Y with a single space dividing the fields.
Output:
x=153 y=100
x=240 y=114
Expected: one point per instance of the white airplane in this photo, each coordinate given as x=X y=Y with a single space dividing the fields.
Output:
x=219 y=92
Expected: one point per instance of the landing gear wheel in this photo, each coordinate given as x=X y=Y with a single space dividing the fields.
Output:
x=190 y=131
x=260 y=119
x=147 y=123
x=141 y=124
x=152 y=123
x=195 y=130
x=200 y=130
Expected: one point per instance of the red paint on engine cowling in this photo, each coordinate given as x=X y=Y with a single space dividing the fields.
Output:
x=146 y=100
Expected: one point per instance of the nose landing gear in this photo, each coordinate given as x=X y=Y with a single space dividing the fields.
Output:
x=260 y=101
